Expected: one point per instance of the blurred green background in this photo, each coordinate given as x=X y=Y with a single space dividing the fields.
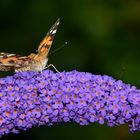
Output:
x=103 y=38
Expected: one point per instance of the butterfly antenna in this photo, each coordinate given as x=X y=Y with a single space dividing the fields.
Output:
x=62 y=46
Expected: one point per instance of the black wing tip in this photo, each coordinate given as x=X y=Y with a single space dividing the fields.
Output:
x=57 y=22
x=53 y=29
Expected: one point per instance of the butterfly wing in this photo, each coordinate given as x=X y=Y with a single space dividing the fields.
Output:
x=46 y=43
x=6 y=68
x=12 y=61
x=8 y=61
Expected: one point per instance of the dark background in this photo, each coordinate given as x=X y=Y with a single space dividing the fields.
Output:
x=103 y=38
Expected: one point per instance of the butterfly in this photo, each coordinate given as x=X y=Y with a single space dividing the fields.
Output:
x=32 y=62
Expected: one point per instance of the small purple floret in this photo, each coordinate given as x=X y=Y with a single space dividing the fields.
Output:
x=31 y=99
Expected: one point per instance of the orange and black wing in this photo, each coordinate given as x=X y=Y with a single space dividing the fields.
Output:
x=46 y=43
x=8 y=61
x=12 y=61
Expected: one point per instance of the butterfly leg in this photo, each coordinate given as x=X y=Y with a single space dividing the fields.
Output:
x=51 y=65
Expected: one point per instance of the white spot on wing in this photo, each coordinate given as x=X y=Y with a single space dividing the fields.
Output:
x=51 y=31
x=10 y=55
x=54 y=31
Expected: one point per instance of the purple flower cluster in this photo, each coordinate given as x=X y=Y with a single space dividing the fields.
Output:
x=31 y=99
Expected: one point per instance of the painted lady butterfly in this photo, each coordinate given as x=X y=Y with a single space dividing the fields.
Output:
x=32 y=62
